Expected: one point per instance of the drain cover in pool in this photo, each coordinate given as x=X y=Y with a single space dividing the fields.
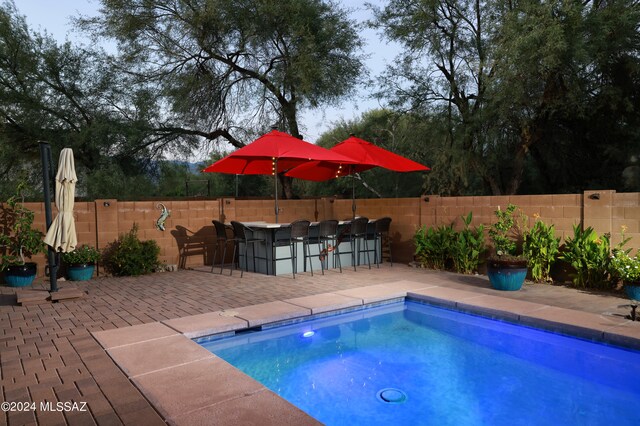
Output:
x=391 y=396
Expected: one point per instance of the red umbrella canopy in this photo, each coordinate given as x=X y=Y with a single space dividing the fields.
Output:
x=365 y=156
x=259 y=157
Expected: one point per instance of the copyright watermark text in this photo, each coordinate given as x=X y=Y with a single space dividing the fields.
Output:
x=43 y=406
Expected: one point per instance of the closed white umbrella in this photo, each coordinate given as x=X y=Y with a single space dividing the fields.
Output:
x=61 y=235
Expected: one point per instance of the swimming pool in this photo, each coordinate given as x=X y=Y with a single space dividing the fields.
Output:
x=409 y=363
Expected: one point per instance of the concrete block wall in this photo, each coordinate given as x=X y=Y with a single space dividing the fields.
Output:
x=561 y=210
x=189 y=230
x=625 y=212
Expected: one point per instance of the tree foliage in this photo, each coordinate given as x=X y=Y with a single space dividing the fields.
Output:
x=497 y=97
x=72 y=96
x=186 y=72
x=231 y=68
x=528 y=90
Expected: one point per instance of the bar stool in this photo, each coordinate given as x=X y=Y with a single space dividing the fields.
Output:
x=298 y=233
x=382 y=233
x=221 y=237
x=327 y=237
x=359 y=233
x=240 y=236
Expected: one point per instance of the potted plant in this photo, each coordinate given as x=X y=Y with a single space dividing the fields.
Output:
x=627 y=269
x=506 y=267
x=81 y=262
x=20 y=241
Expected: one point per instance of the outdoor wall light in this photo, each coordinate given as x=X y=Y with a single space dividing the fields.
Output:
x=106 y=204
x=594 y=196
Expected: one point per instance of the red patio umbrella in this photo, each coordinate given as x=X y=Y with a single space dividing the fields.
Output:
x=365 y=156
x=273 y=153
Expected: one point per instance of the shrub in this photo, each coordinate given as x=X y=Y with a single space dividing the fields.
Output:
x=541 y=247
x=467 y=247
x=440 y=247
x=589 y=255
x=130 y=256
x=432 y=246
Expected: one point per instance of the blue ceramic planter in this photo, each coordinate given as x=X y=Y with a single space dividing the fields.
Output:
x=20 y=275
x=633 y=290
x=80 y=272
x=507 y=276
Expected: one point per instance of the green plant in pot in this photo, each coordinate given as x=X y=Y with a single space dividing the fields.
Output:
x=19 y=241
x=507 y=266
x=81 y=262
x=627 y=269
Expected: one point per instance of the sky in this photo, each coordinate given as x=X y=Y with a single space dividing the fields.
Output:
x=53 y=16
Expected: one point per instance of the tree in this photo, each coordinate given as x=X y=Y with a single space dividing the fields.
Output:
x=230 y=68
x=522 y=87
x=443 y=72
x=72 y=97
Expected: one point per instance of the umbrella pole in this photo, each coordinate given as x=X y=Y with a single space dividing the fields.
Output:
x=353 y=195
x=275 y=178
x=45 y=157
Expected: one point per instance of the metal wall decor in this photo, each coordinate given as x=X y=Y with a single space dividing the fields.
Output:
x=165 y=213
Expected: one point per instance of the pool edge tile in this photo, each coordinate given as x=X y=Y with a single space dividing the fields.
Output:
x=374 y=293
x=158 y=354
x=179 y=389
x=207 y=324
x=132 y=334
x=263 y=407
x=498 y=307
x=442 y=296
x=264 y=313
x=626 y=334
x=325 y=302
x=407 y=286
x=567 y=321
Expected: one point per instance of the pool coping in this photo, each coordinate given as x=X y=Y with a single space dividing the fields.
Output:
x=187 y=384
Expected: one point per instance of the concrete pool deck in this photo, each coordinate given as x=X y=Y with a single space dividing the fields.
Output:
x=136 y=369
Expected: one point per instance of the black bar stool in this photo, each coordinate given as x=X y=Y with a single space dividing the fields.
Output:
x=221 y=238
x=327 y=242
x=382 y=233
x=240 y=236
x=298 y=233
x=358 y=234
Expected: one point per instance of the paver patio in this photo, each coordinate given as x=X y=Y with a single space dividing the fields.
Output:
x=47 y=351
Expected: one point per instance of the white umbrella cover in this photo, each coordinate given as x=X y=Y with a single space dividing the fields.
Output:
x=61 y=235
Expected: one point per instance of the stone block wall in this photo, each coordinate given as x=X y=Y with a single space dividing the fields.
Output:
x=189 y=236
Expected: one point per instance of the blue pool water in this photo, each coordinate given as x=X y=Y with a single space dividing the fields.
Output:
x=444 y=368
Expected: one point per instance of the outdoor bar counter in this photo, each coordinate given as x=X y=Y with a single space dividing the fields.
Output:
x=266 y=262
